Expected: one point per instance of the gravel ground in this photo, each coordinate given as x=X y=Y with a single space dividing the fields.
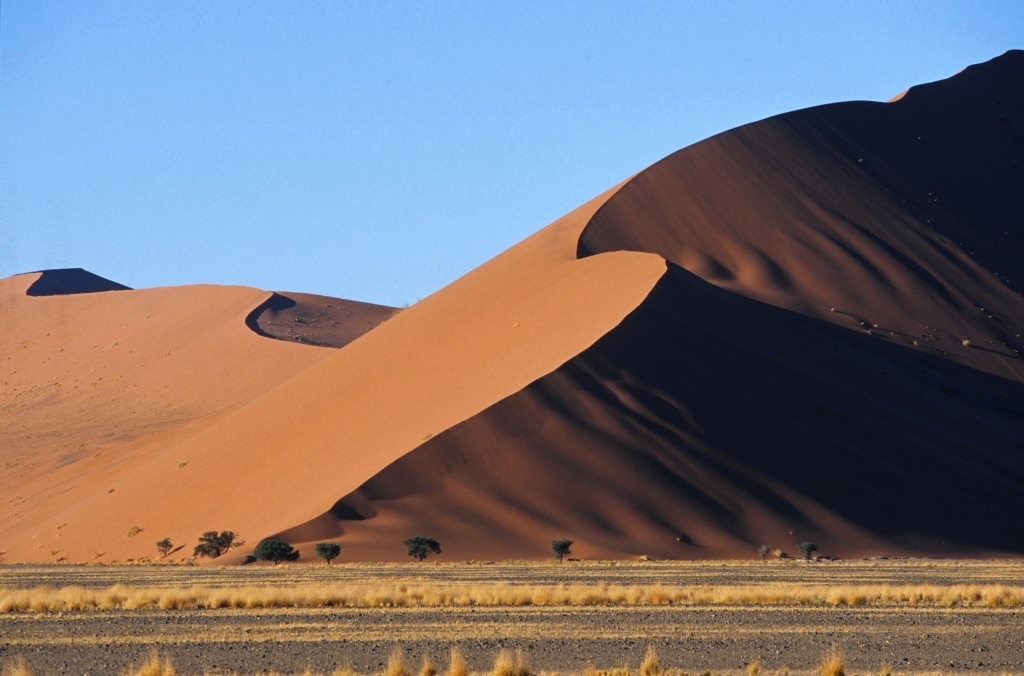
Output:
x=721 y=639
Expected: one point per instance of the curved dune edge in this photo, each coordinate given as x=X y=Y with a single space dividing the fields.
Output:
x=94 y=385
x=315 y=320
x=854 y=258
x=287 y=456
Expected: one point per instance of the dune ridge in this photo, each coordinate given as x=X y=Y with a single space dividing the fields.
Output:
x=802 y=373
x=805 y=328
x=435 y=364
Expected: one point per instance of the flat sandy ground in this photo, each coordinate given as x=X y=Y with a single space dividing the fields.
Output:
x=567 y=639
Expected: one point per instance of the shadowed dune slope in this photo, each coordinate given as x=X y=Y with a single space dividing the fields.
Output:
x=316 y=320
x=906 y=215
x=801 y=374
x=67 y=281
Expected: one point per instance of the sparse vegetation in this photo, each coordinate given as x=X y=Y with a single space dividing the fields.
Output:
x=457 y=663
x=504 y=665
x=164 y=547
x=277 y=551
x=429 y=595
x=807 y=549
x=328 y=551
x=561 y=548
x=396 y=664
x=419 y=547
x=213 y=544
x=651 y=666
x=832 y=664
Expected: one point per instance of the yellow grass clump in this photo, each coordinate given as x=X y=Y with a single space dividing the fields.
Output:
x=16 y=667
x=154 y=667
x=457 y=663
x=396 y=664
x=832 y=664
x=393 y=595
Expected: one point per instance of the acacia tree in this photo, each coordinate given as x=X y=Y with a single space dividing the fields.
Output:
x=164 y=547
x=763 y=552
x=212 y=544
x=561 y=548
x=328 y=551
x=275 y=550
x=807 y=548
x=419 y=547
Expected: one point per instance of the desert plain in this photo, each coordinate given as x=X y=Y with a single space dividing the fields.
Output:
x=724 y=636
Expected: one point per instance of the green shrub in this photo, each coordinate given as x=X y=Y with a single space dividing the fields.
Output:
x=164 y=547
x=328 y=551
x=420 y=547
x=807 y=548
x=275 y=550
x=212 y=544
x=561 y=548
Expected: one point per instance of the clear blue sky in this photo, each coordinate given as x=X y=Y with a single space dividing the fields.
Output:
x=379 y=150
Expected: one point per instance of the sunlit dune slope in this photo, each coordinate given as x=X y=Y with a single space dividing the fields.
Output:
x=93 y=383
x=801 y=376
x=286 y=457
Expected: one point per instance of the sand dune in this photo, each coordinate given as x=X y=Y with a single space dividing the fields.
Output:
x=68 y=281
x=804 y=328
x=841 y=407
x=316 y=320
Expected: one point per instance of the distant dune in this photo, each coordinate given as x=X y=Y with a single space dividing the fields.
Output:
x=806 y=328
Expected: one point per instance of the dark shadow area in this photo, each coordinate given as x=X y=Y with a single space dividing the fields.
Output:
x=708 y=412
x=322 y=321
x=67 y=281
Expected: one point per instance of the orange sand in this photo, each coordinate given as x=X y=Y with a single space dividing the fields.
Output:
x=759 y=339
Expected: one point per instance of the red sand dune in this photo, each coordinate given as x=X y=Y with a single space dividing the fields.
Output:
x=759 y=339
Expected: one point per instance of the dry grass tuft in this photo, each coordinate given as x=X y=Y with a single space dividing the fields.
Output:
x=427 y=668
x=457 y=663
x=832 y=664
x=754 y=668
x=396 y=664
x=16 y=667
x=884 y=670
x=154 y=667
x=503 y=664
x=651 y=666
x=344 y=671
x=385 y=594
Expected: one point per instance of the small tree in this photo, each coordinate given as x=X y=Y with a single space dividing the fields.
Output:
x=764 y=551
x=212 y=544
x=328 y=551
x=560 y=548
x=419 y=546
x=164 y=547
x=807 y=548
x=276 y=551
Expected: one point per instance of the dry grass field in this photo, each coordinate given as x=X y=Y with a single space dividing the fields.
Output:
x=512 y=618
